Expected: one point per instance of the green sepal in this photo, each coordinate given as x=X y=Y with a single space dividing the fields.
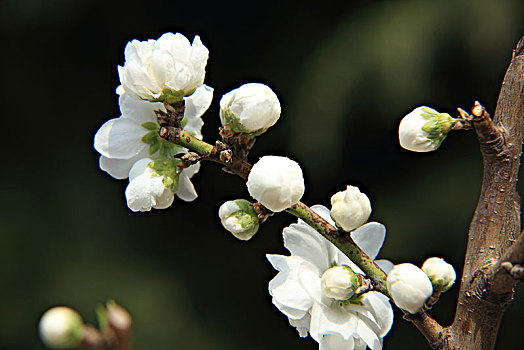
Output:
x=167 y=168
x=172 y=97
x=231 y=122
x=439 y=286
x=438 y=125
x=150 y=126
x=101 y=317
x=247 y=216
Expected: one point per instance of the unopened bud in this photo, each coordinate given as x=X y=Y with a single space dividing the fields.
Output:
x=276 y=182
x=239 y=218
x=409 y=287
x=61 y=327
x=441 y=274
x=350 y=208
x=339 y=282
x=250 y=109
x=424 y=129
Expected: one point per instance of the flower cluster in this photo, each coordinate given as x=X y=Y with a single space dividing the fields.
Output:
x=169 y=70
x=316 y=295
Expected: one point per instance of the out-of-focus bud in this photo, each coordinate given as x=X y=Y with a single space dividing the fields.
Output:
x=239 y=218
x=61 y=327
x=339 y=282
x=350 y=208
x=409 y=287
x=250 y=109
x=441 y=274
x=276 y=182
x=424 y=129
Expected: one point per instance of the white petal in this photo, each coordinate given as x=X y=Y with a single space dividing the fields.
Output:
x=303 y=241
x=381 y=310
x=332 y=319
x=336 y=342
x=142 y=191
x=367 y=334
x=120 y=138
x=139 y=168
x=301 y=324
x=324 y=213
x=369 y=238
x=385 y=265
x=165 y=199
x=195 y=106
x=185 y=189
x=287 y=292
x=119 y=168
x=138 y=110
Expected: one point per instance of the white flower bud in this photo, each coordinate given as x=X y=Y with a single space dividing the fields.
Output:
x=276 y=182
x=339 y=282
x=409 y=287
x=239 y=218
x=250 y=109
x=424 y=129
x=350 y=208
x=163 y=70
x=61 y=327
x=441 y=274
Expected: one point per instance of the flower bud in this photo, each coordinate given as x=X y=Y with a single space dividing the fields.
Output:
x=409 y=287
x=424 y=129
x=239 y=218
x=350 y=208
x=276 y=182
x=250 y=109
x=441 y=274
x=61 y=327
x=339 y=282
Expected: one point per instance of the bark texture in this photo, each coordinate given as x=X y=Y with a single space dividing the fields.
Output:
x=494 y=237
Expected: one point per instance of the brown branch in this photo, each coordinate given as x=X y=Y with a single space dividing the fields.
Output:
x=486 y=288
x=435 y=334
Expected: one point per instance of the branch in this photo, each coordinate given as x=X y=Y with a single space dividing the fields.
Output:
x=240 y=167
x=486 y=288
x=435 y=334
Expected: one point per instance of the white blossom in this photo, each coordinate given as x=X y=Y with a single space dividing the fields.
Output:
x=297 y=289
x=61 y=327
x=409 y=287
x=350 y=208
x=276 y=182
x=424 y=129
x=441 y=274
x=252 y=108
x=166 y=69
x=239 y=218
x=150 y=189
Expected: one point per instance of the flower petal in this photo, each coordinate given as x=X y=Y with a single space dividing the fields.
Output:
x=336 y=342
x=139 y=110
x=369 y=238
x=303 y=241
x=301 y=324
x=332 y=319
x=119 y=168
x=287 y=292
x=381 y=310
x=385 y=265
x=185 y=189
x=120 y=138
x=195 y=106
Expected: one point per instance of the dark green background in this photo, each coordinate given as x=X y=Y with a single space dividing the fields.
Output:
x=345 y=75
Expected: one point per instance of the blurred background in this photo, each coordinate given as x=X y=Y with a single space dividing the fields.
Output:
x=345 y=73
